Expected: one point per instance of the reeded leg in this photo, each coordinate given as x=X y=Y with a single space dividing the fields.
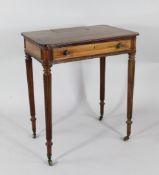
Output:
x=29 y=71
x=102 y=86
x=48 y=109
x=131 y=72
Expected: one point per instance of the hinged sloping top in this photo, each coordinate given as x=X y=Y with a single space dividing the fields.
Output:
x=77 y=35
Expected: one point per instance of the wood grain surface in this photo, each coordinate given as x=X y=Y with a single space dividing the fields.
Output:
x=91 y=49
x=77 y=35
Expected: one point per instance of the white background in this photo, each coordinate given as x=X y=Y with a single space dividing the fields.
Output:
x=82 y=144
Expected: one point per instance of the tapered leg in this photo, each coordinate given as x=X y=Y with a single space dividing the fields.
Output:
x=29 y=71
x=131 y=72
x=102 y=86
x=48 y=109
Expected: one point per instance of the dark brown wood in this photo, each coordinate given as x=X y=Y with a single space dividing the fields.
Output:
x=77 y=35
x=48 y=102
x=131 y=73
x=102 y=86
x=73 y=44
x=29 y=71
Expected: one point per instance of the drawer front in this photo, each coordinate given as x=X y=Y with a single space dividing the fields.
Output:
x=91 y=49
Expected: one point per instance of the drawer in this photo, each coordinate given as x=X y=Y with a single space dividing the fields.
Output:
x=91 y=49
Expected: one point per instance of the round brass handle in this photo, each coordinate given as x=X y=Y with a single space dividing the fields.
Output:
x=66 y=52
x=119 y=45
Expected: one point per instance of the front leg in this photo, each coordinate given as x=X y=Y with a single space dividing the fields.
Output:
x=48 y=108
x=131 y=73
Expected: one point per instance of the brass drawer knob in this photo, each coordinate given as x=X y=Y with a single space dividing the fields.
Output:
x=66 y=52
x=119 y=45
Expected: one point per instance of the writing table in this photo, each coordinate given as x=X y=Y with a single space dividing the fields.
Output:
x=50 y=47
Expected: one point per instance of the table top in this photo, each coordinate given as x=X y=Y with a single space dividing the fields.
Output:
x=77 y=35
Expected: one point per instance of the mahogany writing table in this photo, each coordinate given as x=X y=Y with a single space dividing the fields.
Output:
x=71 y=44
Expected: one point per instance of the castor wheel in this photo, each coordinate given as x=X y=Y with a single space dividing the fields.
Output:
x=50 y=162
x=34 y=136
x=126 y=138
x=100 y=118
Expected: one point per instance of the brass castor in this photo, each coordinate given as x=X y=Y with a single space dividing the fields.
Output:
x=50 y=162
x=34 y=136
x=126 y=138
x=100 y=118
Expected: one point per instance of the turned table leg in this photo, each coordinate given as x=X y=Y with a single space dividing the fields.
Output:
x=102 y=86
x=29 y=71
x=48 y=109
x=131 y=72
